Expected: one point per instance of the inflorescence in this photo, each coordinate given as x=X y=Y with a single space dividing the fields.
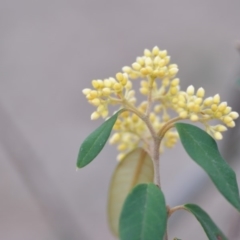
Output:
x=160 y=85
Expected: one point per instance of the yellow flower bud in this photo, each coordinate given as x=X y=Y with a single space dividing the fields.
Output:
x=173 y=90
x=155 y=50
x=234 y=115
x=107 y=83
x=156 y=60
x=200 y=92
x=119 y=76
x=144 y=91
x=198 y=101
x=227 y=119
x=216 y=99
x=117 y=87
x=190 y=90
x=172 y=72
x=183 y=114
x=115 y=138
x=140 y=60
x=214 y=107
x=175 y=82
x=93 y=94
x=128 y=86
x=135 y=118
x=163 y=54
x=157 y=108
x=147 y=53
x=144 y=83
x=144 y=71
x=95 y=84
x=167 y=60
x=231 y=124
x=222 y=106
x=122 y=147
x=162 y=63
x=95 y=115
x=86 y=91
x=152 y=117
x=208 y=101
x=136 y=66
x=106 y=91
x=95 y=102
x=218 y=136
x=127 y=69
x=104 y=113
x=162 y=72
x=220 y=128
x=194 y=117
x=148 y=61
x=100 y=83
x=101 y=108
x=227 y=110
x=149 y=69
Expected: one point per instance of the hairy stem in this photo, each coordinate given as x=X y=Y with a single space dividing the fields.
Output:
x=149 y=106
x=156 y=161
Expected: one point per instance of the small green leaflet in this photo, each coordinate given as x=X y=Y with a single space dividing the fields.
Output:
x=202 y=148
x=95 y=142
x=210 y=228
x=144 y=214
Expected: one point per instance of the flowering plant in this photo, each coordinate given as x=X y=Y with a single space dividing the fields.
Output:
x=136 y=205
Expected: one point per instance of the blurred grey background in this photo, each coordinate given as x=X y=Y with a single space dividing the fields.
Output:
x=51 y=50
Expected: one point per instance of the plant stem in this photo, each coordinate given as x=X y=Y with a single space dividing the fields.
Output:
x=174 y=209
x=150 y=81
x=156 y=161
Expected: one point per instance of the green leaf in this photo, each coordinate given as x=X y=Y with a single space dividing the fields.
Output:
x=135 y=168
x=210 y=228
x=95 y=142
x=202 y=148
x=144 y=214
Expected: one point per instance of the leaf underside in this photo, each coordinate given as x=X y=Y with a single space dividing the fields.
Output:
x=135 y=168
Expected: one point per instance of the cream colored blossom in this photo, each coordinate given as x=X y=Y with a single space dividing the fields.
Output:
x=109 y=91
x=153 y=64
x=132 y=132
x=158 y=82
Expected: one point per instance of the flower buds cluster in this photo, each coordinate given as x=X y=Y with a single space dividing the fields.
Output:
x=153 y=64
x=163 y=95
x=109 y=91
x=132 y=132
x=193 y=106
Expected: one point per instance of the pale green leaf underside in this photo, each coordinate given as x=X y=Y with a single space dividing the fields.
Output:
x=135 y=168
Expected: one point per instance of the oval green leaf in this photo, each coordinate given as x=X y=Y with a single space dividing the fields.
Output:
x=210 y=228
x=202 y=148
x=95 y=142
x=144 y=214
x=135 y=168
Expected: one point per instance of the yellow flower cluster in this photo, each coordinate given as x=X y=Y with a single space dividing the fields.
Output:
x=154 y=64
x=109 y=91
x=132 y=132
x=163 y=95
x=193 y=106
